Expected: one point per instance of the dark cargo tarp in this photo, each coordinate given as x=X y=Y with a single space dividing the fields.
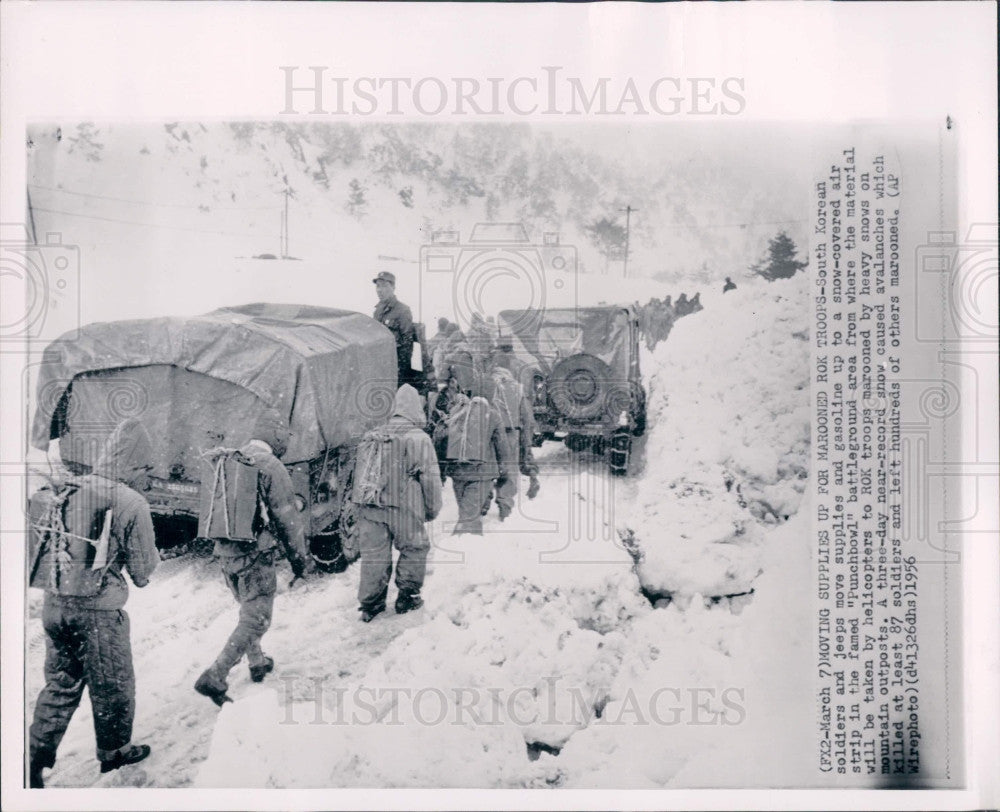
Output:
x=331 y=372
x=543 y=337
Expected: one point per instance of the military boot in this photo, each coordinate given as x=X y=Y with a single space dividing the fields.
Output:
x=211 y=686
x=261 y=670
x=533 y=487
x=131 y=755
x=407 y=601
x=40 y=759
x=369 y=613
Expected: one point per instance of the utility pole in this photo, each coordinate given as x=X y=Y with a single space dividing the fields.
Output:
x=285 y=249
x=31 y=219
x=628 y=217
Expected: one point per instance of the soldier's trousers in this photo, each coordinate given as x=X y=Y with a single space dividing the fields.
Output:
x=253 y=581
x=472 y=496
x=84 y=647
x=375 y=540
x=507 y=492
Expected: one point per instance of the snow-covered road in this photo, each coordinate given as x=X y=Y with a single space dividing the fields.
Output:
x=183 y=617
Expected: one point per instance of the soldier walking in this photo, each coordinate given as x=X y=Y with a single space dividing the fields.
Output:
x=517 y=420
x=478 y=456
x=85 y=533
x=397 y=488
x=247 y=503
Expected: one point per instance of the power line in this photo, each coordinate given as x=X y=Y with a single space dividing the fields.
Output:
x=152 y=203
x=147 y=225
x=730 y=225
x=279 y=208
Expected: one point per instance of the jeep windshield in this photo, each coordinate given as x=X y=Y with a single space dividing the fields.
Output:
x=550 y=335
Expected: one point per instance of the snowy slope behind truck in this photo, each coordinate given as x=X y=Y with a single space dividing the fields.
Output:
x=199 y=383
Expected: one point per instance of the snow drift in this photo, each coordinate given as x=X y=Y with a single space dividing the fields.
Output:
x=729 y=441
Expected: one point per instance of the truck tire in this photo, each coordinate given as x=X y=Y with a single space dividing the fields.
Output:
x=619 y=452
x=579 y=442
x=326 y=551
x=640 y=423
x=578 y=387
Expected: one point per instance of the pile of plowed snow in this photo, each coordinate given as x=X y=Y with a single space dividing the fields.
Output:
x=729 y=440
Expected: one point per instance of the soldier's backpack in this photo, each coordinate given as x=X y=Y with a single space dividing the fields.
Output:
x=231 y=505
x=378 y=470
x=466 y=366
x=507 y=394
x=469 y=432
x=69 y=539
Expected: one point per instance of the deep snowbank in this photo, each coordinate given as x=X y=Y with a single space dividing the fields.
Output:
x=729 y=440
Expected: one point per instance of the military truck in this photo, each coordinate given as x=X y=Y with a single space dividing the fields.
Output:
x=199 y=383
x=581 y=366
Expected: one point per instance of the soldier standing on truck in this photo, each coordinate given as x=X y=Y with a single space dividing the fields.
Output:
x=84 y=533
x=397 y=488
x=247 y=503
x=397 y=317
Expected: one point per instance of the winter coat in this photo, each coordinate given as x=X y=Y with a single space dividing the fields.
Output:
x=414 y=473
x=79 y=577
x=517 y=417
x=281 y=519
x=507 y=395
x=437 y=340
x=397 y=317
x=440 y=409
x=477 y=442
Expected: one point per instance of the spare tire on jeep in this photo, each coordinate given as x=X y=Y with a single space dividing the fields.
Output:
x=579 y=385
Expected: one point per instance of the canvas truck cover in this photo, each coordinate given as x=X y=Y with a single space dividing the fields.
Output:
x=201 y=381
x=543 y=337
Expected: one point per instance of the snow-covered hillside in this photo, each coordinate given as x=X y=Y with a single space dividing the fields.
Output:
x=167 y=217
x=539 y=659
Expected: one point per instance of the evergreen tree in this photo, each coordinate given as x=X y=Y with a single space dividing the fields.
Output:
x=608 y=236
x=780 y=262
x=357 y=203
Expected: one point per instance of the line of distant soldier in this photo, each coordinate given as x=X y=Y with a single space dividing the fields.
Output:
x=657 y=317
